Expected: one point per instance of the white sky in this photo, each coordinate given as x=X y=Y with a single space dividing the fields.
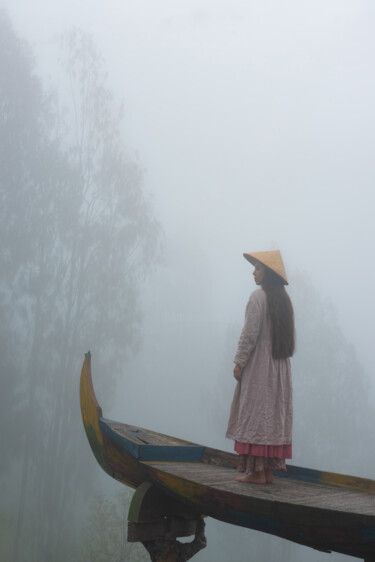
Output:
x=255 y=122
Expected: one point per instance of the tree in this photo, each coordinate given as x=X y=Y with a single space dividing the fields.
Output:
x=79 y=237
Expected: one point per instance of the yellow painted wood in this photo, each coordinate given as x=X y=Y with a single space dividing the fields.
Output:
x=184 y=488
x=91 y=411
x=350 y=482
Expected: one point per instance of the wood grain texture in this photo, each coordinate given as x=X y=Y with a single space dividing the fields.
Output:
x=323 y=510
x=287 y=490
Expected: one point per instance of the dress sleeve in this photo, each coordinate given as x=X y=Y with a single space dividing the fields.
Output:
x=250 y=331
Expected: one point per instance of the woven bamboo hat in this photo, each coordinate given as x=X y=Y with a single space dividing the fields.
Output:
x=272 y=260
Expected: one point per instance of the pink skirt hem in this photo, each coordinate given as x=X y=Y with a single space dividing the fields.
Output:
x=268 y=451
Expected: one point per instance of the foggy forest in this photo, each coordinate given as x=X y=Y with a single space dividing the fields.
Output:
x=144 y=146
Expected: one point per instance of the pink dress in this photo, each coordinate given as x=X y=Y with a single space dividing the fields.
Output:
x=261 y=414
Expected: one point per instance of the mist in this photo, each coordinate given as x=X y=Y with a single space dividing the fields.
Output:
x=253 y=127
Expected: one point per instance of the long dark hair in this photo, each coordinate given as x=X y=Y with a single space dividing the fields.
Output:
x=280 y=311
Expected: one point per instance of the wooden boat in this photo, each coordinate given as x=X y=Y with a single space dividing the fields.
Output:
x=322 y=510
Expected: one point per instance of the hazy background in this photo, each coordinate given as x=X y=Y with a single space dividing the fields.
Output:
x=254 y=123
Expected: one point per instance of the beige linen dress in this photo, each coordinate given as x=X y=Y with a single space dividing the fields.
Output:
x=262 y=408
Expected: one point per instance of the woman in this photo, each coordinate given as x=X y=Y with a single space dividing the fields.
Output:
x=261 y=414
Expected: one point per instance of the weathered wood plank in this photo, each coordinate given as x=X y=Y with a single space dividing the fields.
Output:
x=292 y=491
x=219 y=458
x=146 y=436
x=326 y=511
x=141 y=444
x=332 y=478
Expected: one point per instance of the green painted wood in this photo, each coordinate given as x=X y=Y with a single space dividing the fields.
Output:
x=326 y=511
x=138 y=501
x=150 y=503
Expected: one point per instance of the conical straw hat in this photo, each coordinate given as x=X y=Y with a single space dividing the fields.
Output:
x=272 y=259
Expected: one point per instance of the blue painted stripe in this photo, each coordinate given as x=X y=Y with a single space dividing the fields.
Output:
x=170 y=453
x=173 y=453
x=368 y=533
x=300 y=473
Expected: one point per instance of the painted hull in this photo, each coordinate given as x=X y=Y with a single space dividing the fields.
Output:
x=325 y=511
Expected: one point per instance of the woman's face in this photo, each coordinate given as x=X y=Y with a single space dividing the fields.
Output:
x=258 y=273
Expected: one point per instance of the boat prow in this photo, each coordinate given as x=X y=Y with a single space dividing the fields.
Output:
x=322 y=510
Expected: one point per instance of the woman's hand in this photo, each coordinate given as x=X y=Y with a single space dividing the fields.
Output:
x=237 y=371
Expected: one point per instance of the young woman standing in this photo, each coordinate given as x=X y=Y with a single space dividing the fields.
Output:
x=261 y=414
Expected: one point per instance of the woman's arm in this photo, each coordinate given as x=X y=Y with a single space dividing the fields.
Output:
x=237 y=372
x=249 y=334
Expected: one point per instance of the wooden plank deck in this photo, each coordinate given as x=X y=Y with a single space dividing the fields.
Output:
x=285 y=490
x=147 y=445
x=322 y=510
x=146 y=437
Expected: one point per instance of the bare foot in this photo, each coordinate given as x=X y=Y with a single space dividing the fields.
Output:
x=241 y=463
x=255 y=478
x=269 y=476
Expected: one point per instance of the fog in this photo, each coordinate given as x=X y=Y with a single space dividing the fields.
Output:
x=254 y=123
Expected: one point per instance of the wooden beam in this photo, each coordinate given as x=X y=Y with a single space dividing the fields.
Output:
x=159 y=539
x=157 y=520
x=157 y=530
